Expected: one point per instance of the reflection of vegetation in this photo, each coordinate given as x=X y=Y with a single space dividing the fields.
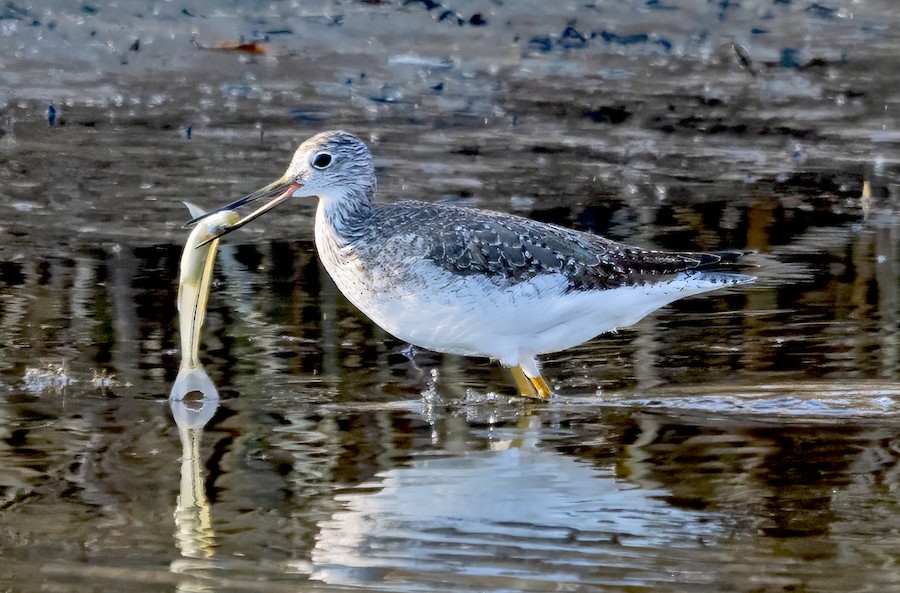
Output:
x=795 y=489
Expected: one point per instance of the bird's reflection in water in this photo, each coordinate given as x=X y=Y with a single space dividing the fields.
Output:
x=194 y=400
x=533 y=508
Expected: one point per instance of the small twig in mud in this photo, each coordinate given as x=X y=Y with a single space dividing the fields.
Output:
x=744 y=58
x=250 y=47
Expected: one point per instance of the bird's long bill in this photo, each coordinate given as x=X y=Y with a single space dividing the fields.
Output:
x=278 y=191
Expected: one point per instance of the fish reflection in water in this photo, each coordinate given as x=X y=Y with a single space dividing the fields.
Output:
x=194 y=530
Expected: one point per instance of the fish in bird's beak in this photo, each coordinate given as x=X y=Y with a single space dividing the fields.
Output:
x=278 y=191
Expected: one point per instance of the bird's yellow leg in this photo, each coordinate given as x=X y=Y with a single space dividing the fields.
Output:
x=526 y=387
x=541 y=386
x=534 y=387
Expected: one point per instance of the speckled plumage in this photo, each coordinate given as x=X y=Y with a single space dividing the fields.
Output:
x=508 y=249
x=476 y=282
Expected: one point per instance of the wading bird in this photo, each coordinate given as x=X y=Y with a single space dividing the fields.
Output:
x=475 y=282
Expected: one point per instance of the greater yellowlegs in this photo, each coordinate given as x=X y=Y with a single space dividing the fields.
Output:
x=475 y=282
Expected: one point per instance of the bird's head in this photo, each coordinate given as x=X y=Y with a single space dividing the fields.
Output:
x=333 y=166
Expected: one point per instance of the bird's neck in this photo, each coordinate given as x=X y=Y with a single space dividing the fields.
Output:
x=341 y=214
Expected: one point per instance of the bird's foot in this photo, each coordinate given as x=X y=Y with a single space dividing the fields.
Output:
x=534 y=387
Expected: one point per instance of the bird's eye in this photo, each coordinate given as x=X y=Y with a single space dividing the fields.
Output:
x=321 y=160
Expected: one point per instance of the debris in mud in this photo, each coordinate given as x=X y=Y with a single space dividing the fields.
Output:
x=636 y=39
x=788 y=59
x=103 y=381
x=572 y=38
x=440 y=13
x=257 y=47
x=744 y=59
x=540 y=44
x=49 y=378
x=614 y=114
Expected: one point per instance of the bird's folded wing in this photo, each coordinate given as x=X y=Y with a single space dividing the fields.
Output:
x=513 y=249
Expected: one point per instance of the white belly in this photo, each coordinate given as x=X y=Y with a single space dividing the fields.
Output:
x=472 y=316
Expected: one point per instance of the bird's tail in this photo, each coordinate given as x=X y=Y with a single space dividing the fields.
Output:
x=725 y=259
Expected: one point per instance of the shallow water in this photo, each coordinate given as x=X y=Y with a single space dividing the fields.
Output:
x=739 y=441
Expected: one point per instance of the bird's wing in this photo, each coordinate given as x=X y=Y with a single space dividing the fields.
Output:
x=504 y=246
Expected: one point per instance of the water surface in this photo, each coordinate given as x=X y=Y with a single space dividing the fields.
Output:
x=738 y=441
